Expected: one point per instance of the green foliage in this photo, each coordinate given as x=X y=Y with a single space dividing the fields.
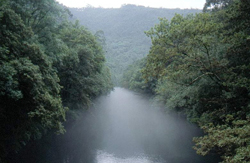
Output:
x=48 y=65
x=185 y=56
x=201 y=64
x=132 y=78
x=124 y=32
x=234 y=132
x=232 y=140
x=29 y=89
x=215 y=5
x=82 y=67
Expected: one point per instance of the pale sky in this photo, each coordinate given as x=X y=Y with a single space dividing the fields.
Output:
x=148 y=3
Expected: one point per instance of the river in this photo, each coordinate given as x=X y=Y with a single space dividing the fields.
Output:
x=134 y=131
x=122 y=127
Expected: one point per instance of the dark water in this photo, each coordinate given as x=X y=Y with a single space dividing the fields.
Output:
x=122 y=127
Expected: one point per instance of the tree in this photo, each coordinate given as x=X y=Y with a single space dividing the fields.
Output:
x=232 y=137
x=82 y=67
x=133 y=79
x=44 y=67
x=125 y=39
x=215 y=5
x=29 y=88
x=201 y=63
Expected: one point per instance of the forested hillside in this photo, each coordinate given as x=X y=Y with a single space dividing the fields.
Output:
x=123 y=31
x=199 y=65
x=49 y=67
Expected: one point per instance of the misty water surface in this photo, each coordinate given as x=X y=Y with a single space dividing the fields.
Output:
x=122 y=127
x=132 y=131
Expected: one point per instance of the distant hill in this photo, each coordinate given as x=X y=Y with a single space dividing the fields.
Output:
x=124 y=31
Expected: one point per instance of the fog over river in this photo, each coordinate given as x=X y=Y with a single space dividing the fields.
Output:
x=122 y=127
x=133 y=131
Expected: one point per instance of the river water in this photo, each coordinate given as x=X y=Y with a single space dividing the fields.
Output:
x=134 y=131
x=122 y=127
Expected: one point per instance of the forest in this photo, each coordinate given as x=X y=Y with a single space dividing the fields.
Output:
x=50 y=68
x=122 y=30
x=55 y=61
x=199 y=66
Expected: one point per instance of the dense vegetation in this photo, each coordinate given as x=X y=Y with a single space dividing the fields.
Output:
x=200 y=65
x=49 y=68
x=124 y=29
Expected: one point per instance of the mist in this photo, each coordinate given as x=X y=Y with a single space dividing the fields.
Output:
x=122 y=127
x=126 y=127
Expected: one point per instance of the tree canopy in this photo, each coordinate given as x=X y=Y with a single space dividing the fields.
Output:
x=200 y=66
x=49 y=65
x=124 y=31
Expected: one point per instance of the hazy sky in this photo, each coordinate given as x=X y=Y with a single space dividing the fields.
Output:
x=151 y=3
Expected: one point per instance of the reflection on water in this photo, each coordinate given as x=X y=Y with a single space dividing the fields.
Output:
x=122 y=127
x=103 y=157
x=129 y=124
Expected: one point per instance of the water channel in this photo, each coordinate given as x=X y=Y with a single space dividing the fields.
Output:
x=134 y=131
x=122 y=127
